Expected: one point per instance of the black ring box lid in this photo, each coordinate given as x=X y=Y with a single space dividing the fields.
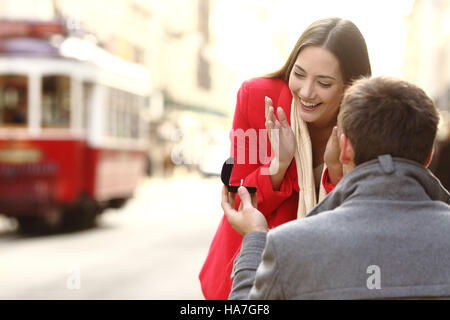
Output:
x=227 y=169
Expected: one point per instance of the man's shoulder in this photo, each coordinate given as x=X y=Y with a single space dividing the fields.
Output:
x=304 y=230
x=349 y=223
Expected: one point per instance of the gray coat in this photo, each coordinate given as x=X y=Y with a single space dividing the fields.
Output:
x=383 y=232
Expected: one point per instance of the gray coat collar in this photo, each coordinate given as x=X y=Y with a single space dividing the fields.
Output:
x=385 y=178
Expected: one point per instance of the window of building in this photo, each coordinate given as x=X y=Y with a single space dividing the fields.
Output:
x=203 y=19
x=203 y=72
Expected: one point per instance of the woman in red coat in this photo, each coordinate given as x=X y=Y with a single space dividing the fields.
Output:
x=298 y=165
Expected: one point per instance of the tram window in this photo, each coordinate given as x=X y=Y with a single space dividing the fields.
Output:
x=110 y=112
x=122 y=122
x=127 y=112
x=114 y=113
x=135 y=124
x=55 y=101
x=13 y=100
x=111 y=121
x=123 y=114
x=87 y=102
x=135 y=117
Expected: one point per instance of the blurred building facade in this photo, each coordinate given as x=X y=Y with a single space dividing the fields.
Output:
x=193 y=51
x=169 y=37
x=427 y=64
x=427 y=54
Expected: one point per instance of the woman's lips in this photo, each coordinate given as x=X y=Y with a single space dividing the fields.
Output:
x=309 y=106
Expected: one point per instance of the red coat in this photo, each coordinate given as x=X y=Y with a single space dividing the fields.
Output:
x=277 y=206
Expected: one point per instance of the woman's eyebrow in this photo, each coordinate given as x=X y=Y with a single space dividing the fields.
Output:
x=319 y=76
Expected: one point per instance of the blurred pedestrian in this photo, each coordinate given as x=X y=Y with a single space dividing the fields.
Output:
x=382 y=233
x=442 y=163
x=308 y=90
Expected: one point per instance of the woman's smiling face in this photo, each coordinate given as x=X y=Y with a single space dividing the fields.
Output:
x=317 y=85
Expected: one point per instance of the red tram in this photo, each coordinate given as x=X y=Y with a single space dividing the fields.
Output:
x=72 y=129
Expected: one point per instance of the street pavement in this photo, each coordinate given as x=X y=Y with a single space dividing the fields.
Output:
x=153 y=248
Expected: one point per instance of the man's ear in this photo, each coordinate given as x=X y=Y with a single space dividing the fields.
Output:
x=347 y=154
x=430 y=156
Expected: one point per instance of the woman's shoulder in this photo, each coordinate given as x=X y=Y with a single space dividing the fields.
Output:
x=254 y=91
x=261 y=84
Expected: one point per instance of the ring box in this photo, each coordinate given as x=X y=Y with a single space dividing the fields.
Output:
x=227 y=169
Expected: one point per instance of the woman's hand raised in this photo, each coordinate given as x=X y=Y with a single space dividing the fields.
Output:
x=331 y=157
x=280 y=134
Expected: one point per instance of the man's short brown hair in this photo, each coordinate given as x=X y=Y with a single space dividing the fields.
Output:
x=385 y=115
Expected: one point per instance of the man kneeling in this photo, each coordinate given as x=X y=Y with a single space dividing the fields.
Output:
x=384 y=230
